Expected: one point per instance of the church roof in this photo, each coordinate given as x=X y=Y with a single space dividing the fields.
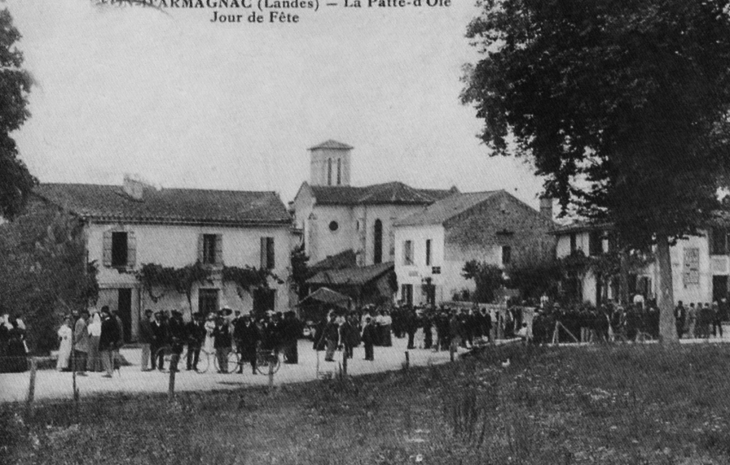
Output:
x=378 y=194
x=331 y=144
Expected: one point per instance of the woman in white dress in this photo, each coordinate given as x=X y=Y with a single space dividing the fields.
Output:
x=65 y=336
x=209 y=345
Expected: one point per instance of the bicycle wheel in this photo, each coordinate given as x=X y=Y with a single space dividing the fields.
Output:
x=231 y=362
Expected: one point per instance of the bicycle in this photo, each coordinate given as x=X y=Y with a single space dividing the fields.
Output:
x=267 y=361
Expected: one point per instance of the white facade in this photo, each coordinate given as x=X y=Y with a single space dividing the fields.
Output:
x=695 y=288
x=177 y=246
x=447 y=278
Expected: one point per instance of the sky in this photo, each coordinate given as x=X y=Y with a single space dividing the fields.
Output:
x=185 y=102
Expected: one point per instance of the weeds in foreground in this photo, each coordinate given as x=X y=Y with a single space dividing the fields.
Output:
x=609 y=405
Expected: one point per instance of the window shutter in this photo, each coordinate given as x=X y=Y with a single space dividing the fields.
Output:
x=262 y=262
x=131 y=249
x=219 y=249
x=107 y=244
x=270 y=259
x=200 y=248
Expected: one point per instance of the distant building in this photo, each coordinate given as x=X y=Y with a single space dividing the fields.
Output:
x=335 y=217
x=700 y=264
x=135 y=224
x=432 y=246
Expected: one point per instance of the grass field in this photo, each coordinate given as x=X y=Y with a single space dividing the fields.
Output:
x=603 y=404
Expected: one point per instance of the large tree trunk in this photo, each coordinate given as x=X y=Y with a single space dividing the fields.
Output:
x=667 y=327
x=623 y=283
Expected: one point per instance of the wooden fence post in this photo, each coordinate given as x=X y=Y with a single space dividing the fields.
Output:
x=171 y=385
x=408 y=360
x=451 y=350
x=344 y=362
x=31 y=385
x=271 y=375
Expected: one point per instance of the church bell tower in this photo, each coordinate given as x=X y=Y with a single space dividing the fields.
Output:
x=330 y=164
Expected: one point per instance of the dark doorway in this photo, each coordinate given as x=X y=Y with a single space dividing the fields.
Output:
x=719 y=288
x=125 y=312
x=207 y=301
x=263 y=299
x=378 y=242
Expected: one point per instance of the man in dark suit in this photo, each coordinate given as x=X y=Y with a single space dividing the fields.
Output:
x=368 y=339
x=247 y=337
x=195 y=332
x=159 y=332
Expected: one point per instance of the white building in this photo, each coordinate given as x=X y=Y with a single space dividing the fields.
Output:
x=335 y=217
x=700 y=265
x=135 y=224
x=432 y=246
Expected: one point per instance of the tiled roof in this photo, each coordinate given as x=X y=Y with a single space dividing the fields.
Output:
x=446 y=208
x=327 y=296
x=104 y=202
x=351 y=276
x=331 y=144
x=378 y=194
x=344 y=259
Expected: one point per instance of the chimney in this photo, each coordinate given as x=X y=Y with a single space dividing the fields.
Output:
x=546 y=207
x=132 y=187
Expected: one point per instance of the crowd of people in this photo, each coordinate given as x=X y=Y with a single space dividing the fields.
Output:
x=90 y=340
x=217 y=334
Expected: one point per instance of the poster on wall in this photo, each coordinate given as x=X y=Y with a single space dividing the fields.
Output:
x=691 y=272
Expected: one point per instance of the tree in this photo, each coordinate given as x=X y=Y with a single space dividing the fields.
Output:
x=300 y=271
x=43 y=271
x=487 y=277
x=621 y=104
x=16 y=182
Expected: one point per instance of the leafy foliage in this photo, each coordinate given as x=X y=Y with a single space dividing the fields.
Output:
x=621 y=105
x=181 y=280
x=247 y=278
x=487 y=278
x=43 y=273
x=16 y=182
x=300 y=271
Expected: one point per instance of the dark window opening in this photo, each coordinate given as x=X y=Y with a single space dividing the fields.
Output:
x=428 y=252
x=406 y=291
x=339 y=171
x=334 y=226
x=329 y=172
x=209 y=249
x=378 y=242
x=119 y=249
x=506 y=255
x=595 y=243
x=207 y=301
x=718 y=242
x=573 y=243
x=408 y=253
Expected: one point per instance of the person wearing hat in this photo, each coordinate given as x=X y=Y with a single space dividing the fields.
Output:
x=247 y=337
x=368 y=338
x=222 y=338
x=108 y=341
x=178 y=338
x=195 y=331
x=159 y=332
x=146 y=337
x=65 y=335
x=209 y=345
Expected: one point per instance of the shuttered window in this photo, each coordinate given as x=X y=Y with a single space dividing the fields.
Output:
x=428 y=252
x=210 y=249
x=267 y=253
